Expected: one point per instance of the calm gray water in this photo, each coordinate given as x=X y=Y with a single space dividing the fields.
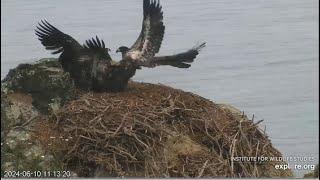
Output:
x=262 y=56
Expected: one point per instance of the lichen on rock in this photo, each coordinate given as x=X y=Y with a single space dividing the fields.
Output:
x=44 y=81
x=26 y=94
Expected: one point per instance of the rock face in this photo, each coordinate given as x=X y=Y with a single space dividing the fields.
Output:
x=146 y=131
x=44 y=81
x=27 y=92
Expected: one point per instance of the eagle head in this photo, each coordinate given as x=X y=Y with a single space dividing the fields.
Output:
x=123 y=49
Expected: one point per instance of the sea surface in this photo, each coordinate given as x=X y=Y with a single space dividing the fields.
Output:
x=261 y=56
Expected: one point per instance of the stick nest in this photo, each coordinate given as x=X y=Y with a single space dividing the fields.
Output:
x=156 y=131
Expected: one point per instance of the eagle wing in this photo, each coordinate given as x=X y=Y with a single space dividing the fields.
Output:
x=98 y=47
x=54 y=39
x=152 y=32
x=181 y=60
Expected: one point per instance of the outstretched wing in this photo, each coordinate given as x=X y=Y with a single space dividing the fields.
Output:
x=95 y=44
x=54 y=39
x=181 y=60
x=152 y=32
x=98 y=47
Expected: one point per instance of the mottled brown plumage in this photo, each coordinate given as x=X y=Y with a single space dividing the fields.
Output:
x=91 y=66
x=148 y=44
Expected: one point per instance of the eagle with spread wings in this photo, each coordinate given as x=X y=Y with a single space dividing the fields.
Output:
x=90 y=64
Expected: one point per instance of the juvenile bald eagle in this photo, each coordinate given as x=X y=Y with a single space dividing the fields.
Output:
x=76 y=59
x=91 y=66
x=143 y=51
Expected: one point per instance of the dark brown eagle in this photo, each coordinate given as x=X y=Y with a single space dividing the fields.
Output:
x=81 y=61
x=91 y=66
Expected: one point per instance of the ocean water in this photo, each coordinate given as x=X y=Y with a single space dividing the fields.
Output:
x=261 y=56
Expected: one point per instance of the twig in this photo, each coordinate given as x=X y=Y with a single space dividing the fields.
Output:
x=203 y=168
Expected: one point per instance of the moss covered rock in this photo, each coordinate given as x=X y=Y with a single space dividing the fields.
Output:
x=28 y=92
x=44 y=81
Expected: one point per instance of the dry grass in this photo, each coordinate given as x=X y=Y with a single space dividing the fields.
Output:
x=156 y=131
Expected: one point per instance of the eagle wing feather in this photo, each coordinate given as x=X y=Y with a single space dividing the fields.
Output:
x=152 y=32
x=97 y=46
x=54 y=39
x=180 y=60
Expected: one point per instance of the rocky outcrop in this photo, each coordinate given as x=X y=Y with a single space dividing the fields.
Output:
x=146 y=131
x=44 y=81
